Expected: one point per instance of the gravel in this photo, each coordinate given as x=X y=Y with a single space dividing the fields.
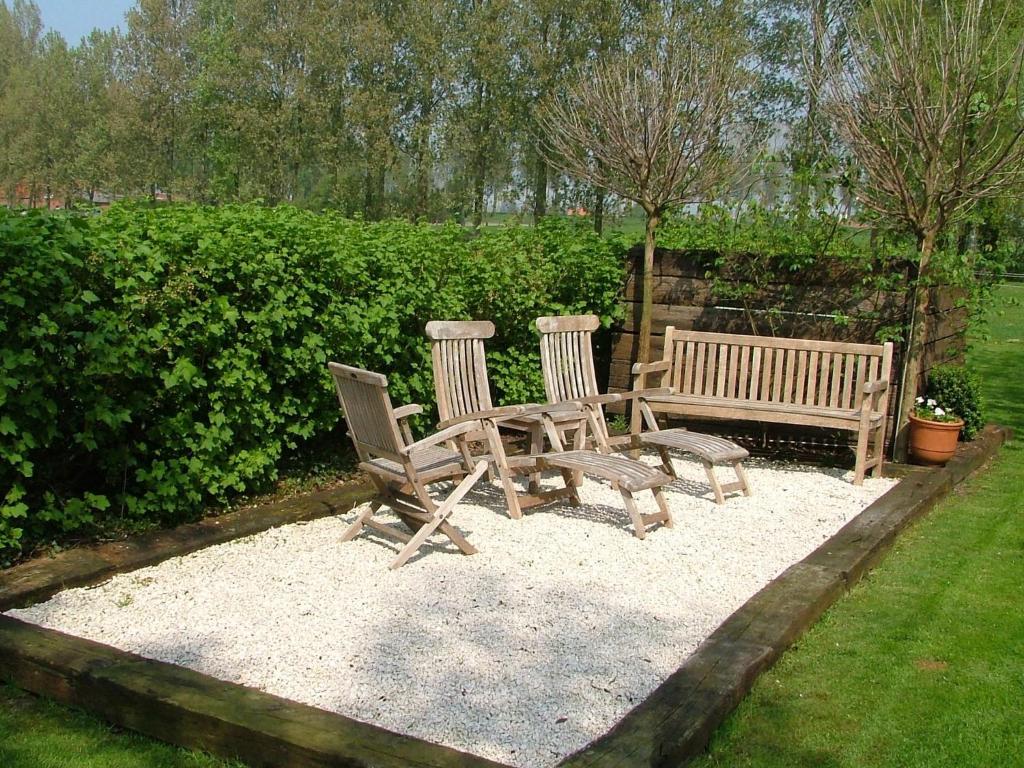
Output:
x=523 y=653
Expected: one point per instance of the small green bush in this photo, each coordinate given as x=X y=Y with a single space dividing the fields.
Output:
x=958 y=390
x=156 y=360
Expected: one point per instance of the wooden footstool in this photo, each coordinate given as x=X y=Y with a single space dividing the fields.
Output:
x=709 y=449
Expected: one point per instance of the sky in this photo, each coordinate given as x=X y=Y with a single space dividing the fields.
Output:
x=75 y=19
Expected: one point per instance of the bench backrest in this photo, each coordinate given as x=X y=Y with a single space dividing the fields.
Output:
x=799 y=372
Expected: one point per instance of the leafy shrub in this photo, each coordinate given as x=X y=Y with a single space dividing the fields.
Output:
x=155 y=360
x=958 y=390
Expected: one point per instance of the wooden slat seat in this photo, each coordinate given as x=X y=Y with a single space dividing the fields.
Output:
x=714 y=449
x=629 y=474
x=829 y=384
x=427 y=463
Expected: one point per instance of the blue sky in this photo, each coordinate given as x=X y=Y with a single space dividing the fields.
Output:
x=75 y=19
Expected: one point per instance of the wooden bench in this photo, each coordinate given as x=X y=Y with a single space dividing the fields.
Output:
x=835 y=385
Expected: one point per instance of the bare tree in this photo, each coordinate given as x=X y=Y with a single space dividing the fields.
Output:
x=928 y=104
x=653 y=129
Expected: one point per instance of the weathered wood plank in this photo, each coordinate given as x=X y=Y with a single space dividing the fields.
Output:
x=192 y=710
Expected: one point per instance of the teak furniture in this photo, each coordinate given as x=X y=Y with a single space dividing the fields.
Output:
x=836 y=385
x=463 y=393
x=400 y=468
x=567 y=360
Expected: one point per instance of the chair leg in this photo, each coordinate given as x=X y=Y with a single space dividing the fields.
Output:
x=457 y=538
x=536 y=446
x=441 y=514
x=498 y=452
x=634 y=514
x=569 y=479
x=414 y=543
x=666 y=462
x=357 y=525
x=709 y=470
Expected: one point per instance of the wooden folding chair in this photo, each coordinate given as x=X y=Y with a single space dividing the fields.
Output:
x=400 y=468
x=567 y=360
x=463 y=392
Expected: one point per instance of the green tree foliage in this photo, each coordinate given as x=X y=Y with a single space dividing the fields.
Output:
x=155 y=360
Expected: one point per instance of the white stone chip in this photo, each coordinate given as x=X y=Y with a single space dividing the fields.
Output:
x=522 y=653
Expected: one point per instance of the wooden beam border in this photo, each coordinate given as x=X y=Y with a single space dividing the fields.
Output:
x=675 y=723
x=192 y=710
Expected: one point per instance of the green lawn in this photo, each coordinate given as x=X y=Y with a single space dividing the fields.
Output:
x=921 y=665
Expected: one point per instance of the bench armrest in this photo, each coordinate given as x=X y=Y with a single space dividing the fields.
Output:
x=444 y=435
x=872 y=387
x=640 y=394
x=658 y=365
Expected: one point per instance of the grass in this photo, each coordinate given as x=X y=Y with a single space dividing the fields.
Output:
x=921 y=665
x=35 y=733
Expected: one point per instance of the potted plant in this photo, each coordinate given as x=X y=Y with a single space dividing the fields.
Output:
x=952 y=404
x=934 y=432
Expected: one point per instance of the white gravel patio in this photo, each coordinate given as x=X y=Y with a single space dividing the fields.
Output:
x=522 y=653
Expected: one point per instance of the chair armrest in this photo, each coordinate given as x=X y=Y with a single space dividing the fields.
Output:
x=610 y=397
x=657 y=365
x=505 y=411
x=444 y=435
x=535 y=409
x=408 y=410
x=875 y=386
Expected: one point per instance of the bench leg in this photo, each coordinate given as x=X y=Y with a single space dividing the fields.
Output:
x=878 y=449
x=862 y=456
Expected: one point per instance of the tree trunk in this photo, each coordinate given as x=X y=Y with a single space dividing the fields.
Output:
x=422 y=204
x=647 y=296
x=540 y=188
x=914 y=348
x=599 y=196
x=479 y=179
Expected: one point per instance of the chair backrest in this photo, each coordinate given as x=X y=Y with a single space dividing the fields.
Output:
x=366 y=405
x=460 y=368
x=567 y=357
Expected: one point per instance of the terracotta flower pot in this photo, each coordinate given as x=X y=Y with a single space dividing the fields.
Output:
x=933 y=442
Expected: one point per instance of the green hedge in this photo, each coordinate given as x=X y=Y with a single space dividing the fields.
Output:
x=155 y=361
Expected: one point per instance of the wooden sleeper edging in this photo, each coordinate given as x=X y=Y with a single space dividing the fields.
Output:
x=670 y=727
